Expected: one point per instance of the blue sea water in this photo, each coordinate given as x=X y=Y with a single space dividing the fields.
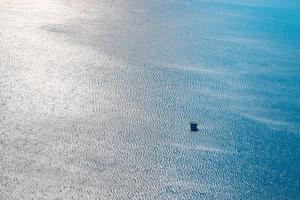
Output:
x=96 y=98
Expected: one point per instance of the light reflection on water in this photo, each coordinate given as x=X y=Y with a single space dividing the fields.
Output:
x=96 y=98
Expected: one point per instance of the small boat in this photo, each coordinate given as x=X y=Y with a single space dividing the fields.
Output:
x=194 y=126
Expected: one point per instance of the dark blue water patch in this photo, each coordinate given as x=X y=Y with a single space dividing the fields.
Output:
x=252 y=159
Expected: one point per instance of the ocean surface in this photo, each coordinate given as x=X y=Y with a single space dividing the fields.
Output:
x=96 y=97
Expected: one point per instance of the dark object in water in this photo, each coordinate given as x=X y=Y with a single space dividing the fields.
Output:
x=194 y=126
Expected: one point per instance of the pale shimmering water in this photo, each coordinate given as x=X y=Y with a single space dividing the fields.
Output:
x=96 y=97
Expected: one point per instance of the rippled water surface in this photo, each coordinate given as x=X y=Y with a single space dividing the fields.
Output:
x=96 y=97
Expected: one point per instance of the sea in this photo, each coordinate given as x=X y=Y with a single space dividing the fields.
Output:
x=97 y=97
